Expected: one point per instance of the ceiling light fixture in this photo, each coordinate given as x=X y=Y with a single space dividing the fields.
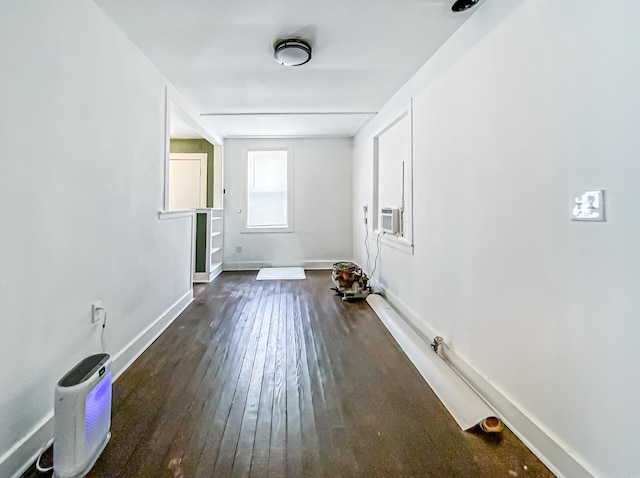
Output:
x=292 y=52
x=462 y=5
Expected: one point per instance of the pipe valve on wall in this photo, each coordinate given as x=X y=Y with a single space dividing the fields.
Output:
x=437 y=342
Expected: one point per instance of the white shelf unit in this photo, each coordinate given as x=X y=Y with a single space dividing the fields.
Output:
x=209 y=235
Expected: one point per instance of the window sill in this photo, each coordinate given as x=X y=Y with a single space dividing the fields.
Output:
x=165 y=215
x=400 y=243
x=266 y=230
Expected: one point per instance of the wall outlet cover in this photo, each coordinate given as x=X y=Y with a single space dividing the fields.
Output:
x=97 y=311
x=588 y=206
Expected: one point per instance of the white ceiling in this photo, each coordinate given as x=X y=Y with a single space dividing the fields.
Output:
x=219 y=54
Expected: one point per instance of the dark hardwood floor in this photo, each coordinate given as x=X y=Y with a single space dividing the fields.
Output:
x=282 y=378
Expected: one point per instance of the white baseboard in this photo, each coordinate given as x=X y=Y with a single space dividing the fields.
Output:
x=201 y=277
x=245 y=266
x=204 y=277
x=547 y=448
x=318 y=265
x=254 y=266
x=23 y=454
x=216 y=271
x=123 y=359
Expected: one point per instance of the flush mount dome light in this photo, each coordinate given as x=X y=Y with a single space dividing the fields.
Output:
x=292 y=52
x=462 y=5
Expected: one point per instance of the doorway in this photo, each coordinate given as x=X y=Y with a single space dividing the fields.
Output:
x=187 y=181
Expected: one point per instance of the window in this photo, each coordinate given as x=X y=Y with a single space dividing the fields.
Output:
x=393 y=179
x=268 y=204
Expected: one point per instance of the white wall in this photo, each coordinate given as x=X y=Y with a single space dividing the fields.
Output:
x=81 y=178
x=525 y=105
x=322 y=196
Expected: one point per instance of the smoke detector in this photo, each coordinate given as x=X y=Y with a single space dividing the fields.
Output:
x=292 y=52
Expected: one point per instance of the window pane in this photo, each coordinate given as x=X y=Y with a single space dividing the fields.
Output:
x=267 y=189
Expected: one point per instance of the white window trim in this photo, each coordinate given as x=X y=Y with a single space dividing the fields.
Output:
x=397 y=242
x=267 y=229
x=403 y=243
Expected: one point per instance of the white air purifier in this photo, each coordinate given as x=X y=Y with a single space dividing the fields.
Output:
x=82 y=416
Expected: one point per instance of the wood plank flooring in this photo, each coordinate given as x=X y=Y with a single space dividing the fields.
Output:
x=283 y=379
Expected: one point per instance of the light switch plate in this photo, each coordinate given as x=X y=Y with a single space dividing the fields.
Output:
x=588 y=206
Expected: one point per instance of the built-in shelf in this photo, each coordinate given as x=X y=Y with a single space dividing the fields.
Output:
x=209 y=235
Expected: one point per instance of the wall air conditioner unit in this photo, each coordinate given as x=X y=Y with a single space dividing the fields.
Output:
x=82 y=415
x=390 y=220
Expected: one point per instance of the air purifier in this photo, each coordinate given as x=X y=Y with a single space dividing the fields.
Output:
x=82 y=416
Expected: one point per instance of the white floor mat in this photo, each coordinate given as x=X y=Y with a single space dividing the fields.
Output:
x=281 y=273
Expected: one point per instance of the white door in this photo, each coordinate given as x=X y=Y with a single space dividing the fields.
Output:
x=187 y=181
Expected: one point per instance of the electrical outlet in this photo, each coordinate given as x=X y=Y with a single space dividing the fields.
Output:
x=238 y=248
x=588 y=206
x=97 y=311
